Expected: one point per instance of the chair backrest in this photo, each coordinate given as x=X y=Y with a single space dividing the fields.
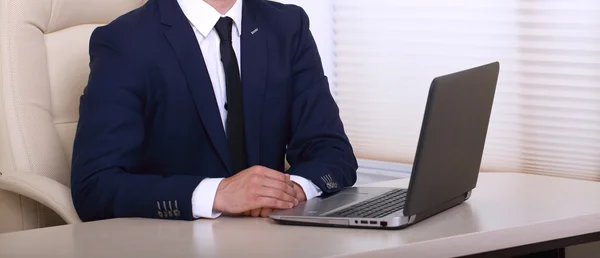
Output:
x=43 y=70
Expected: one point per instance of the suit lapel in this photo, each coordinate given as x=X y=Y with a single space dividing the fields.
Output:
x=254 y=75
x=185 y=45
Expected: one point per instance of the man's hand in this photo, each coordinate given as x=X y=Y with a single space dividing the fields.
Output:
x=265 y=212
x=300 y=195
x=253 y=188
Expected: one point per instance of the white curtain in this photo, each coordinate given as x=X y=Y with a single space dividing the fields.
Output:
x=546 y=117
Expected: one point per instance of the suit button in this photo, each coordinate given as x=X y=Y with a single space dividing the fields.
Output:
x=329 y=182
x=160 y=213
x=170 y=211
x=176 y=212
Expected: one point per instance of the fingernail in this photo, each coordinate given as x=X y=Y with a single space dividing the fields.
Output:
x=296 y=201
x=291 y=205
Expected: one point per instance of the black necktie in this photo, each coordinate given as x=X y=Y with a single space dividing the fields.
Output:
x=234 y=125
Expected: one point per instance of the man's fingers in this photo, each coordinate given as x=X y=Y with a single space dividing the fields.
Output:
x=277 y=194
x=268 y=202
x=265 y=212
x=301 y=196
x=255 y=213
x=260 y=212
x=281 y=186
x=289 y=180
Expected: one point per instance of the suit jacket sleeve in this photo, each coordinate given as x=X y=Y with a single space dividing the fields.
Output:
x=319 y=149
x=108 y=143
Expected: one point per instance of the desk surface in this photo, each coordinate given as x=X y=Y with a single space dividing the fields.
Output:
x=505 y=210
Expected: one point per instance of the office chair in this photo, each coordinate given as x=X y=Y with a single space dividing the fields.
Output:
x=43 y=70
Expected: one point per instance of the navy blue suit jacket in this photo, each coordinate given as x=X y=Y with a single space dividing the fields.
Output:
x=150 y=129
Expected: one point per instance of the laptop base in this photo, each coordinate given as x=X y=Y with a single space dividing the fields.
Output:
x=396 y=223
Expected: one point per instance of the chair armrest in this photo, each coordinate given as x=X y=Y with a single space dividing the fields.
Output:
x=44 y=190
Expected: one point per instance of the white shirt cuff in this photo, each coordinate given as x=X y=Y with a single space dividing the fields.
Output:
x=309 y=188
x=203 y=199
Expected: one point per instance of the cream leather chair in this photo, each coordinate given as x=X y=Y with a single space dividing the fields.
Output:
x=43 y=70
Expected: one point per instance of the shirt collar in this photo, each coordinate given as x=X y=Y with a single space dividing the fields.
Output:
x=204 y=17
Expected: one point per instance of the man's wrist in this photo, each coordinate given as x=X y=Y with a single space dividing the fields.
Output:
x=203 y=199
x=218 y=202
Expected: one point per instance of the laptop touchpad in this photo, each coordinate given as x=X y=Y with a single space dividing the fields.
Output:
x=343 y=198
x=327 y=204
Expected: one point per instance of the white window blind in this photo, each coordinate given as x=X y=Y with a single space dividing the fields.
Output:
x=546 y=116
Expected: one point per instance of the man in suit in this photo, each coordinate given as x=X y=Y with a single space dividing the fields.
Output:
x=193 y=105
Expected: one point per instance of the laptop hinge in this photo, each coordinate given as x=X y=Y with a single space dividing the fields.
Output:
x=437 y=208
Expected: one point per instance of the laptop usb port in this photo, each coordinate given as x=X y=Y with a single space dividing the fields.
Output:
x=374 y=222
x=364 y=222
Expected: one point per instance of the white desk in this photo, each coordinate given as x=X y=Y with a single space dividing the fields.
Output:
x=505 y=211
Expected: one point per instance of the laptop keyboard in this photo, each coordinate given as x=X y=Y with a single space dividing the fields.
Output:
x=377 y=207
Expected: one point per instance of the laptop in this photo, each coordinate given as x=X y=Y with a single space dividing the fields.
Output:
x=445 y=169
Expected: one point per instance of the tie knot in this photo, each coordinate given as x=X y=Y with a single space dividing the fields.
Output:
x=223 y=28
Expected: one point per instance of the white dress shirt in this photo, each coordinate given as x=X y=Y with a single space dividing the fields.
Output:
x=203 y=18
